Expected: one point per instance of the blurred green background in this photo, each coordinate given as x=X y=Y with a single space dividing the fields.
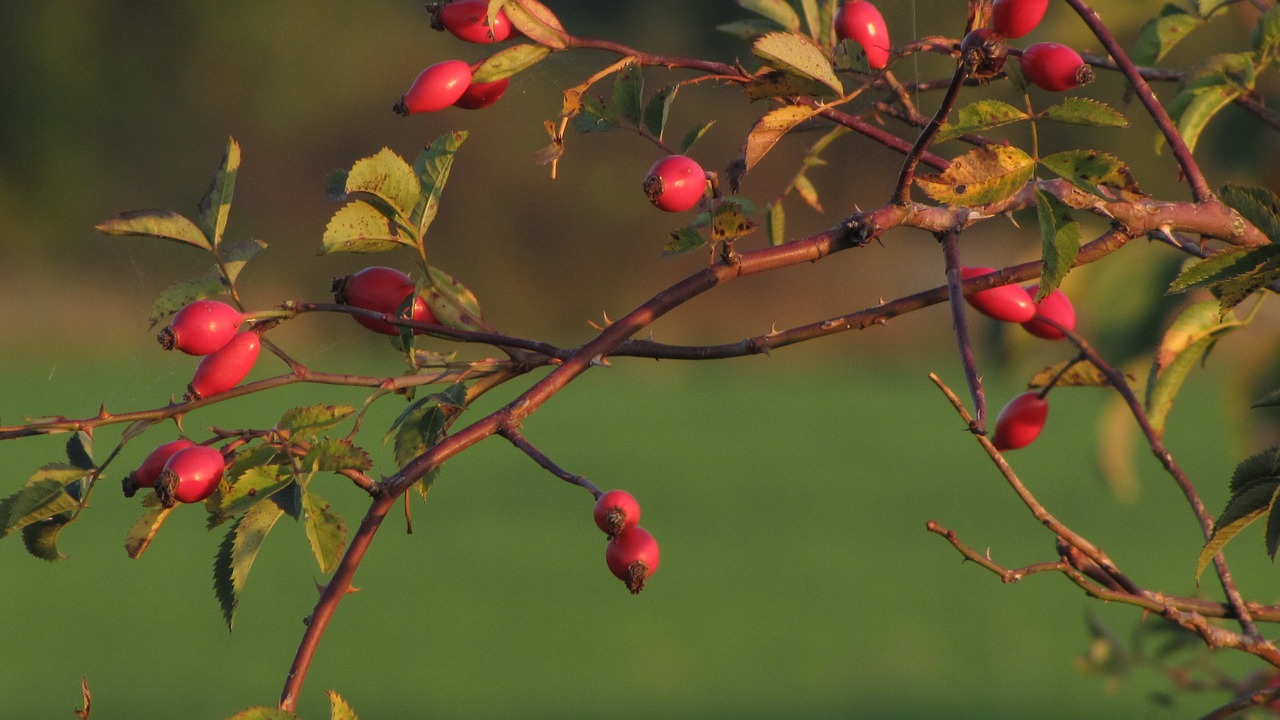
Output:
x=789 y=493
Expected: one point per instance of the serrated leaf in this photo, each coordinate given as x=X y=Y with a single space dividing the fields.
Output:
x=981 y=116
x=359 y=227
x=432 y=166
x=236 y=554
x=418 y=432
x=264 y=713
x=658 y=109
x=982 y=176
x=246 y=489
x=1080 y=374
x=453 y=304
x=144 y=530
x=1259 y=205
x=1236 y=290
x=1266 y=36
x=1158 y=36
x=769 y=129
x=43 y=496
x=1263 y=467
x=749 y=29
x=1271 y=399
x=334 y=454
x=178 y=295
x=1242 y=510
x=536 y=22
x=339 y=709
x=79 y=449
x=215 y=206
x=237 y=254
x=1077 y=110
x=326 y=531
x=799 y=55
x=1203 y=104
x=695 y=133
x=686 y=239
x=777 y=11
x=1188 y=338
x=41 y=537
x=509 y=61
x=388 y=178
x=729 y=222
x=628 y=94
x=1224 y=266
x=307 y=422
x=1059 y=240
x=1091 y=170
x=164 y=224
x=775 y=223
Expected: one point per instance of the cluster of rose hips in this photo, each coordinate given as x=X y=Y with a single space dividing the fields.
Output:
x=211 y=329
x=1047 y=65
x=632 y=553
x=1020 y=422
x=448 y=83
x=179 y=471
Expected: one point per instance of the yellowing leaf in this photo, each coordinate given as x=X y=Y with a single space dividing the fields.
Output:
x=799 y=55
x=770 y=128
x=982 y=176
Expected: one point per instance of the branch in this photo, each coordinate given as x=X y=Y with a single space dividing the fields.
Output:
x=522 y=443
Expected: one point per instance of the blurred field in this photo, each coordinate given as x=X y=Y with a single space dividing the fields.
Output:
x=797 y=578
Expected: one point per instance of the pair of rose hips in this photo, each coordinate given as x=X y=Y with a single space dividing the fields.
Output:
x=1046 y=65
x=180 y=471
x=212 y=329
x=449 y=84
x=1020 y=422
x=383 y=290
x=632 y=554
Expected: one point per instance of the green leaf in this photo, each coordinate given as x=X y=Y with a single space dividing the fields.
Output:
x=43 y=496
x=1190 y=336
x=236 y=554
x=1202 y=106
x=362 y=228
x=775 y=223
x=451 y=302
x=1266 y=37
x=1259 y=469
x=797 y=54
x=982 y=176
x=1059 y=240
x=178 y=295
x=245 y=490
x=536 y=22
x=264 y=713
x=237 y=254
x=334 y=454
x=1228 y=265
x=628 y=94
x=1080 y=374
x=432 y=166
x=769 y=129
x=509 y=61
x=747 y=29
x=777 y=11
x=981 y=116
x=695 y=133
x=145 y=529
x=684 y=240
x=1259 y=205
x=215 y=206
x=418 y=431
x=387 y=179
x=326 y=531
x=307 y=422
x=729 y=222
x=1158 y=36
x=1271 y=399
x=339 y=709
x=658 y=110
x=41 y=537
x=164 y=224
x=1091 y=170
x=80 y=450
x=1205 y=8
x=1254 y=486
x=818 y=18
x=1077 y=110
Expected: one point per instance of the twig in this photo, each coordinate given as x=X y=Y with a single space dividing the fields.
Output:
x=522 y=443
x=960 y=324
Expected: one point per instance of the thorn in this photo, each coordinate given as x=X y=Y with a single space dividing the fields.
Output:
x=601 y=361
x=1009 y=216
x=102 y=412
x=880 y=321
x=882 y=300
x=1167 y=231
x=773 y=330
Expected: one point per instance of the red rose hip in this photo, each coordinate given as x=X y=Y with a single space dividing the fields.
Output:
x=146 y=474
x=1057 y=307
x=675 y=183
x=1010 y=303
x=482 y=95
x=616 y=511
x=862 y=22
x=223 y=370
x=466 y=19
x=1054 y=67
x=200 y=328
x=1020 y=422
x=380 y=289
x=1015 y=18
x=633 y=557
x=190 y=476
x=436 y=88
